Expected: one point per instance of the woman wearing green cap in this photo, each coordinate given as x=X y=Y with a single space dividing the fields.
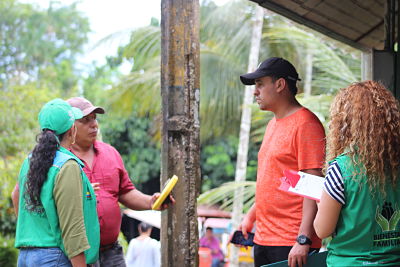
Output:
x=57 y=219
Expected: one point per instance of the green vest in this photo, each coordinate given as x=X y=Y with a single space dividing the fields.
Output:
x=43 y=229
x=368 y=228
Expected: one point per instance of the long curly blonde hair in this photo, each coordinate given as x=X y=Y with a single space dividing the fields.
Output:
x=365 y=123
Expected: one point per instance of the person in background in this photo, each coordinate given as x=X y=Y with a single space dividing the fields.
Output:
x=143 y=250
x=212 y=242
x=360 y=204
x=57 y=221
x=294 y=140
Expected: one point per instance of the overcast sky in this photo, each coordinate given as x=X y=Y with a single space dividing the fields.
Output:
x=111 y=16
x=107 y=17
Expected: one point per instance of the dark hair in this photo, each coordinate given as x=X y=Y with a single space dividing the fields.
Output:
x=291 y=84
x=144 y=227
x=209 y=228
x=39 y=164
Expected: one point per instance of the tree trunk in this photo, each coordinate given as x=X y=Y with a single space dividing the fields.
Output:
x=241 y=163
x=308 y=78
x=180 y=91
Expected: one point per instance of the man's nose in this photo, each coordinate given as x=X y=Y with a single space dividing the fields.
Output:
x=93 y=123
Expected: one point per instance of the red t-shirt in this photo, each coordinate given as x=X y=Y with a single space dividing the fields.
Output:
x=108 y=169
x=296 y=142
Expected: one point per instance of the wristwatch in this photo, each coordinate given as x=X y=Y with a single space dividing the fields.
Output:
x=303 y=240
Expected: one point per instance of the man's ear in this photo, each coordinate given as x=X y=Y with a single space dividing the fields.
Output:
x=72 y=132
x=280 y=85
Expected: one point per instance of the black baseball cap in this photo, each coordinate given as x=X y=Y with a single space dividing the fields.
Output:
x=274 y=66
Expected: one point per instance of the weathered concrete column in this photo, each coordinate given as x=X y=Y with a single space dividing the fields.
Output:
x=180 y=90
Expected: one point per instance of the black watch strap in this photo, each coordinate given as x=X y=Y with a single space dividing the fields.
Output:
x=303 y=240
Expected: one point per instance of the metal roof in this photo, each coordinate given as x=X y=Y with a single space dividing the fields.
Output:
x=359 y=23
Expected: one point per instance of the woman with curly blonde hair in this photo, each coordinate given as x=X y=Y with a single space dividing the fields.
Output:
x=360 y=204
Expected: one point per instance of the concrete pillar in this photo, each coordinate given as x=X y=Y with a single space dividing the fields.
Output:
x=180 y=90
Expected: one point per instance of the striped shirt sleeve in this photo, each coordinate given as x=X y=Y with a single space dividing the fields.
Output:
x=333 y=184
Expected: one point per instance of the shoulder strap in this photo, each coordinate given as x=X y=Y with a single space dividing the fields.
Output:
x=61 y=158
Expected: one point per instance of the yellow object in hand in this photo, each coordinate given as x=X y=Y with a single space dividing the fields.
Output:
x=165 y=192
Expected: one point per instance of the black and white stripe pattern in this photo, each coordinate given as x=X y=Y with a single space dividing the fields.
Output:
x=334 y=183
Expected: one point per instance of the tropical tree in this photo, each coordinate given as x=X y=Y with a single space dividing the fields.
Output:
x=36 y=43
x=221 y=64
x=18 y=128
x=225 y=34
x=335 y=65
x=245 y=125
x=140 y=154
x=38 y=48
x=218 y=161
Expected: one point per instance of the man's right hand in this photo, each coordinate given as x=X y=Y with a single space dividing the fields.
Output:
x=167 y=202
x=96 y=186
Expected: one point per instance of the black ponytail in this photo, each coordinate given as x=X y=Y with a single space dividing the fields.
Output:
x=39 y=164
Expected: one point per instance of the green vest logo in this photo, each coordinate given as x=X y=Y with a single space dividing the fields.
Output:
x=388 y=218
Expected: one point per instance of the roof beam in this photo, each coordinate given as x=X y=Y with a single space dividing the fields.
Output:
x=315 y=26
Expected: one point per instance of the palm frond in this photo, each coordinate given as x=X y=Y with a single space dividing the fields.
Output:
x=224 y=195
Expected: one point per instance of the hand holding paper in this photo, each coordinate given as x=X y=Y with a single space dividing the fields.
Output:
x=303 y=184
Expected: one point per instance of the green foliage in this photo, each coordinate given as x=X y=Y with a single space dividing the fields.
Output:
x=225 y=194
x=132 y=138
x=218 y=162
x=37 y=63
x=221 y=64
x=61 y=76
x=138 y=90
x=18 y=124
x=224 y=44
x=9 y=169
x=18 y=128
x=96 y=84
x=122 y=241
x=8 y=254
x=33 y=40
x=334 y=65
x=319 y=105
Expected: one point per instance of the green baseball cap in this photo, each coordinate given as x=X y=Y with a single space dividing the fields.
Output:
x=57 y=115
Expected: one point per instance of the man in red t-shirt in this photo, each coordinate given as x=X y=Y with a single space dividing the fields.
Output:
x=294 y=139
x=105 y=170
